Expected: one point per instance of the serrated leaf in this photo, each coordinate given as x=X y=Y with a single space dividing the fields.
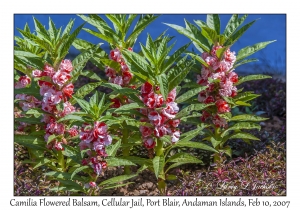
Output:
x=233 y=24
x=83 y=104
x=210 y=34
x=113 y=161
x=78 y=170
x=51 y=138
x=244 y=62
x=213 y=21
x=41 y=162
x=84 y=90
x=158 y=165
x=90 y=75
x=192 y=107
x=233 y=38
x=227 y=150
x=220 y=52
x=29 y=120
x=242 y=103
x=63 y=175
x=190 y=35
x=242 y=135
x=248 y=117
x=115 y=186
x=252 y=77
x=163 y=83
x=191 y=134
x=183 y=157
x=196 y=145
x=71 y=117
x=241 y=125
x=117 y=179
x=187 y=95
x=247 y=51
x=112 y=149
x=128 y=107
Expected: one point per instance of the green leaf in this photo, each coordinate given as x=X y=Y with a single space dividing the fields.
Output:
x=128 y=107
x=117 y=179
x=63 y=175
x=248 y=117
x=175 y=57
x=41 y=162
x=142 y=23
x=178 y=73
x=112 y=149
x=210 y=34
x=247 y=51
x=183 y=157
x=244 y=62
x=214 y=142
x=227 y=150
x=241 y=125
x=83 y=104
x=158 y=165
x=191 y=134
x=233 y=38
x=190 y=94
x=192 y=107
x=51 y=138
x=116 y=22
x=163 y=83
x=220 y=52
x=233 y=24
x=41 y=31
x=84 y=90
x=70 y=186
x=113 y=161
x=252 y=77
x=71 y=117
x=78 y=170
x=91 y=75
x=115 y=186
x=242 y=103
x=198 y=58
x=196 y=145
x=80 y=61
x=29 y=120
x=245 y=96
x=243 y=135
x=213 y=21
x=148 y=55
x=34 y=142
x=138 y=160
x=190 y=35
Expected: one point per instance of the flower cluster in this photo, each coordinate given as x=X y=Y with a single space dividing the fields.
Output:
x=126 y=75
x=94 y=139
x=55 y=90
x=122 y=80
x=219 y=78
x=23 y=82
x=160 y=114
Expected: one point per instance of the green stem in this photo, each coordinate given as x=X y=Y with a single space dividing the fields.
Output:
x=217 y=137
x=159 y=150
x=126 y=150
x=162 y=186
x=61 y=160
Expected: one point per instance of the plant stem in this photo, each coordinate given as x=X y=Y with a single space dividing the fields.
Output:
x=217 y=137
x=159 y=150
x=61 y=160
x=162 y=186
x=126 y=150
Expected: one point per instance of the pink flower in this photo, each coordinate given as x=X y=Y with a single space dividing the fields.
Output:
x=100 y=130
x=233 y=77
x=174 y=123
x=175 y=136
x=171 y=110
x=149 y=143
x=61 y=77
x=97 y=168
x=110 y=72
x=219 y=121
x=23 y=82
x=115 y=55
x=52 y=97
x=68 y=109
x=107 y=140
x=202 y=96
x=213 y=62
x=222 y=106
x=117 y=80
x=214 y=49
x=68 y=90
x=160 y=131
x=48 y=70
x=209 y=100
x=171 y=96
x=66 y=66
x=45 y=86
x=116 y=103
x=73 y=131
x=124 y=67
x=92 y=184
x=229 y=56
x=58 y=146
x=37 y=73
x=146 y=89
x=126 y=77
x=155 y=118
x=205 y=116
x=146 y=131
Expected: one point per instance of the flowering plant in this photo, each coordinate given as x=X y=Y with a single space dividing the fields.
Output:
x=79 y=137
